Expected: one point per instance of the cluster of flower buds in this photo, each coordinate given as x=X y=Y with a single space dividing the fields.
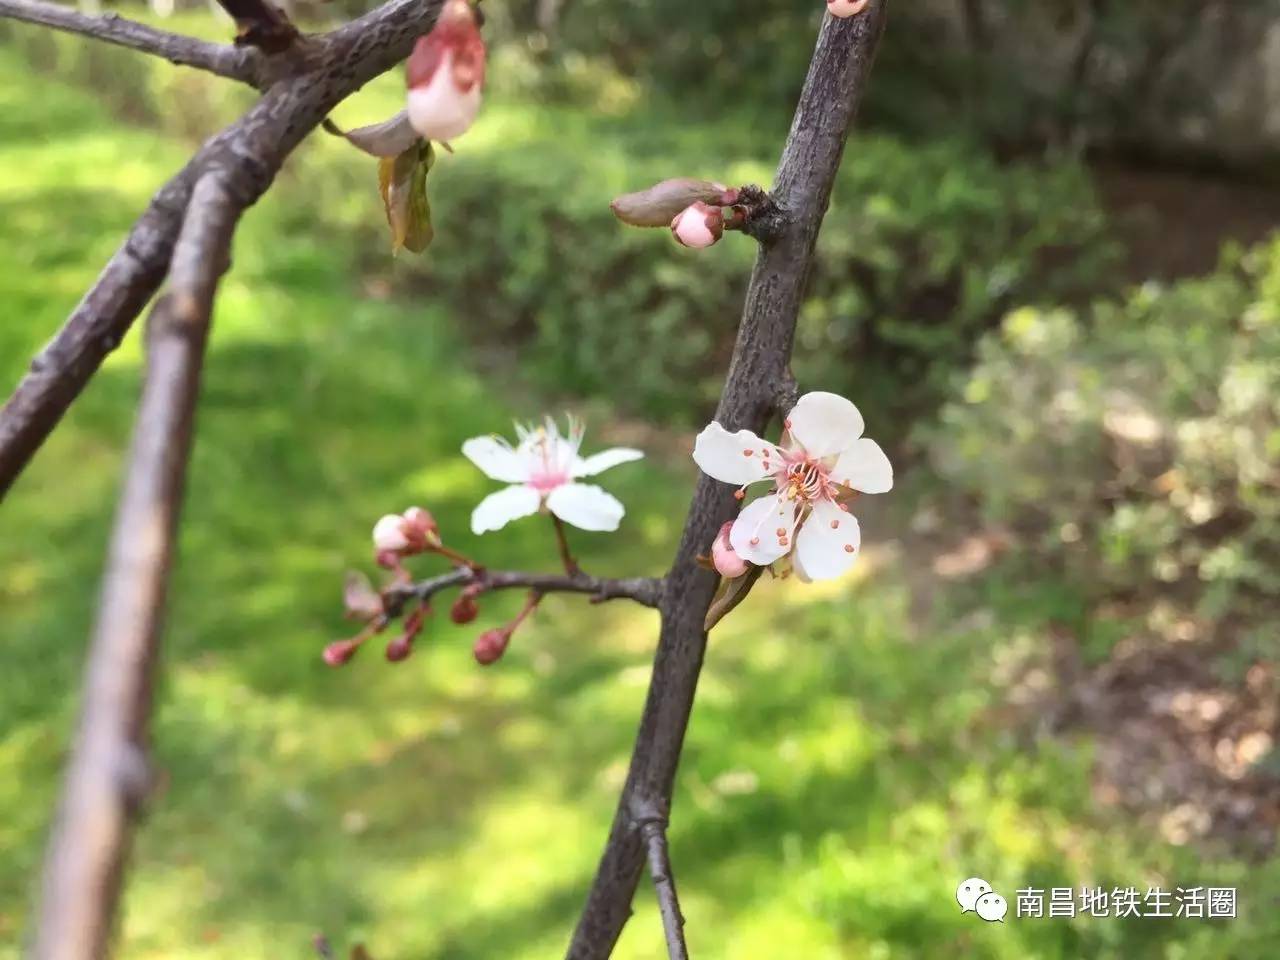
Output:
x=846 y=8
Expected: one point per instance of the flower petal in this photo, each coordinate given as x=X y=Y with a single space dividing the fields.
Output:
x=737 y=458
x=496 y=459
x=600 y=462
x=825 y=424
x=498 y=509
x=864 y=467
x=823 y=543
x=754 y=535
x=388 y=533
x=586 y=507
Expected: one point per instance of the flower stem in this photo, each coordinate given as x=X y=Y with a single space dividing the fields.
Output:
x=456 y=557
x=530 y=604
x=566 y=556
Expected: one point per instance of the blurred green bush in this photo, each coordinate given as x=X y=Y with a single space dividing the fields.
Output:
x=925 y=245
x=1135 y=449
x=923 y=249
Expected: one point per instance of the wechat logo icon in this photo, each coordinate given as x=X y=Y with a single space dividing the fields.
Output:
x=976 y=896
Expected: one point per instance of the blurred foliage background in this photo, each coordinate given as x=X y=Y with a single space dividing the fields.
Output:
x=1047 y=278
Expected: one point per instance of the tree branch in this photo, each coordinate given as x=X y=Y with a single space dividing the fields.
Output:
x=646 y=591
x=234 y=63
x=250 y=151
x=260 y=24
x=802 y=189
x=108 y=775
x=652 y=824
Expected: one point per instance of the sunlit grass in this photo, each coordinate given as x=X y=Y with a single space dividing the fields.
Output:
x=841 y=774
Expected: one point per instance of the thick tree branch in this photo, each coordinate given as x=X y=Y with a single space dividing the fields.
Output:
x=646 y=591
x=250 y=151
x=235 y=63
x=108 y=776
x=652 y=824
x=260 y=23
x=837 y=77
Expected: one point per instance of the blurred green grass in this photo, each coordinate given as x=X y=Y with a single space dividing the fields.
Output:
x=845 y=767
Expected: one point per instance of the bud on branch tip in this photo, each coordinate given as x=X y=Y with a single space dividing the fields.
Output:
x=446 y=74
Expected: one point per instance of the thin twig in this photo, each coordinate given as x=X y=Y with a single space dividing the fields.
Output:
x=234 y=63
x=646 y=591
x=802 y=189
x=652 y=824
x=566 y=555
x=108 y=775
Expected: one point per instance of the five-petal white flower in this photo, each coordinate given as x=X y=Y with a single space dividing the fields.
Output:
x=542 y=468
x=820 y=459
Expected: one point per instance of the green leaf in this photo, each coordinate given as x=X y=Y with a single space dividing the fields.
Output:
x=402 y=181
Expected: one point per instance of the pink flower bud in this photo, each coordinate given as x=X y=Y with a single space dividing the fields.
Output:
x=446 y=74
x=420 y=527
x=340 y=652
x=727 y=563
x=399 y=649
x=387 y=559
x=389 y=535
x=698 y=226
x=464 y=609
x=491 y=645
x=845 y=8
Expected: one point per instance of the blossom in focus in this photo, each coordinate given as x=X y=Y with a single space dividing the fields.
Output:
x=821 y=460
x=846 y=8
x=543 y=469
x=699 y=225
x=446 y=74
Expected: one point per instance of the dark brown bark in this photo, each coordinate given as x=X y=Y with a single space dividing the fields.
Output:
x=758 y=377
x=309 y=81
x=106 y=781
x=260 y=23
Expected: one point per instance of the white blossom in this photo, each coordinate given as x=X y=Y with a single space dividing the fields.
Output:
x=821 y=460
x=543 y=468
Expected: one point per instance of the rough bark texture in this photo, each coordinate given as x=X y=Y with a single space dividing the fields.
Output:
x=758 y=377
